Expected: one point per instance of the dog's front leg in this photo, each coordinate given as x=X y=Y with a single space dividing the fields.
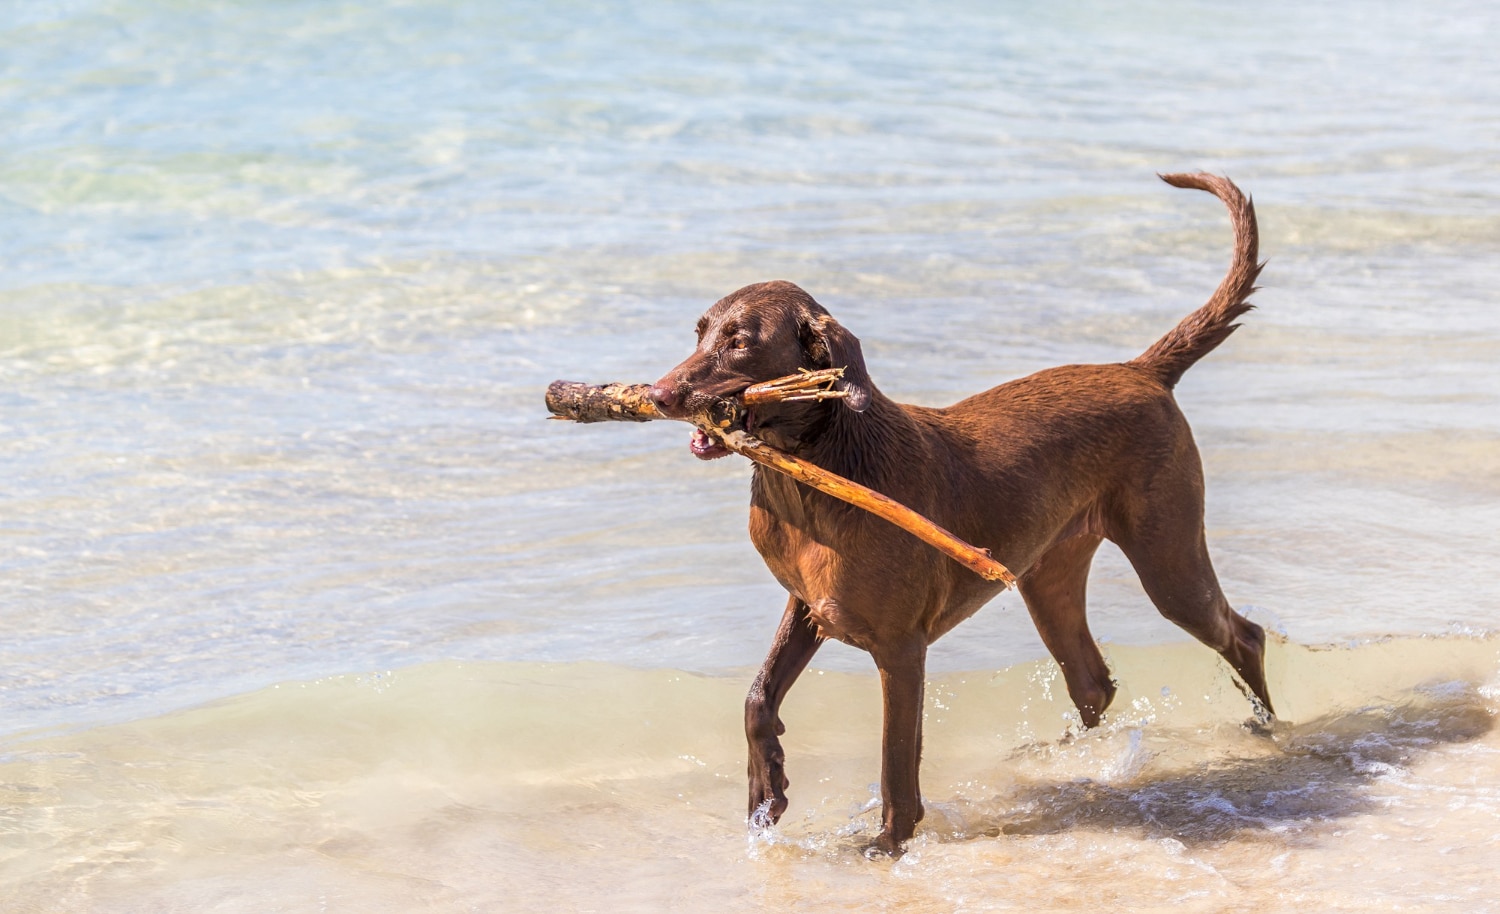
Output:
x=797 y=639
x=902 y=669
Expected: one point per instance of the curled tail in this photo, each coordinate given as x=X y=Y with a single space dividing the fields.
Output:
x=1198 y=333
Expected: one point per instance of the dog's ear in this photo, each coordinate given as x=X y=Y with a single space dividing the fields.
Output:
x=831 y=346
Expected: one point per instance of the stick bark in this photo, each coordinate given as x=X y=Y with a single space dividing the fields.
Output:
x=613 y=402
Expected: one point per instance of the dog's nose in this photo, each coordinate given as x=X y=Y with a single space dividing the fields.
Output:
x=663 y=396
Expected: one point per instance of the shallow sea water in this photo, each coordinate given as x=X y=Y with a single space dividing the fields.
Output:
x=514 y=786
x=304 y=607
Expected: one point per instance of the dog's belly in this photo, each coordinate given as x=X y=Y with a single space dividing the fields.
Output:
x=839 y=624
x=957 y=609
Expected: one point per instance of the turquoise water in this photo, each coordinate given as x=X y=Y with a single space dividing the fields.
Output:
x=282 y=285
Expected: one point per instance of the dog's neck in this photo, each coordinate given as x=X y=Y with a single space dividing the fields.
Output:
x=862 y=446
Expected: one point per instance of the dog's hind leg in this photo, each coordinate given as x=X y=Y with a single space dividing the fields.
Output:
x=1054 y=591
x=1165 y=543
x=797 y=639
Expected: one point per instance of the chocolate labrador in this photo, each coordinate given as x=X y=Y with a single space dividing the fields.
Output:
x=1037 y=470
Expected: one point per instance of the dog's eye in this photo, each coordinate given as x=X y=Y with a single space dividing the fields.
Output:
x=739 y=342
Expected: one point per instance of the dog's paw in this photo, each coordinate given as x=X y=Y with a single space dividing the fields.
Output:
x=767 y=803
x=760 y=816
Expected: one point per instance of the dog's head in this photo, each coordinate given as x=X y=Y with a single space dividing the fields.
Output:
x=760 y=333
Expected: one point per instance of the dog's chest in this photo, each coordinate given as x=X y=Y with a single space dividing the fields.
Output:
x=783 y=545
x=782 y=529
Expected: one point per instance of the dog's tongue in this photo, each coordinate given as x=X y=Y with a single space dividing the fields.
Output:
x=704 y=447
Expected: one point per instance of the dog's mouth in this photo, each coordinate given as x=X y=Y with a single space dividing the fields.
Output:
x=704 y=447
x=707 y=447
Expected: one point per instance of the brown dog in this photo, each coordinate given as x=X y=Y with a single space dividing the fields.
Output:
x=1037 y=470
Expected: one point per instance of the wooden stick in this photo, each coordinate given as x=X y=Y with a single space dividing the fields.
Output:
x=630 y=403
x=796 y=388
x=616 y=402
x=600 y=402
x=971 y=557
